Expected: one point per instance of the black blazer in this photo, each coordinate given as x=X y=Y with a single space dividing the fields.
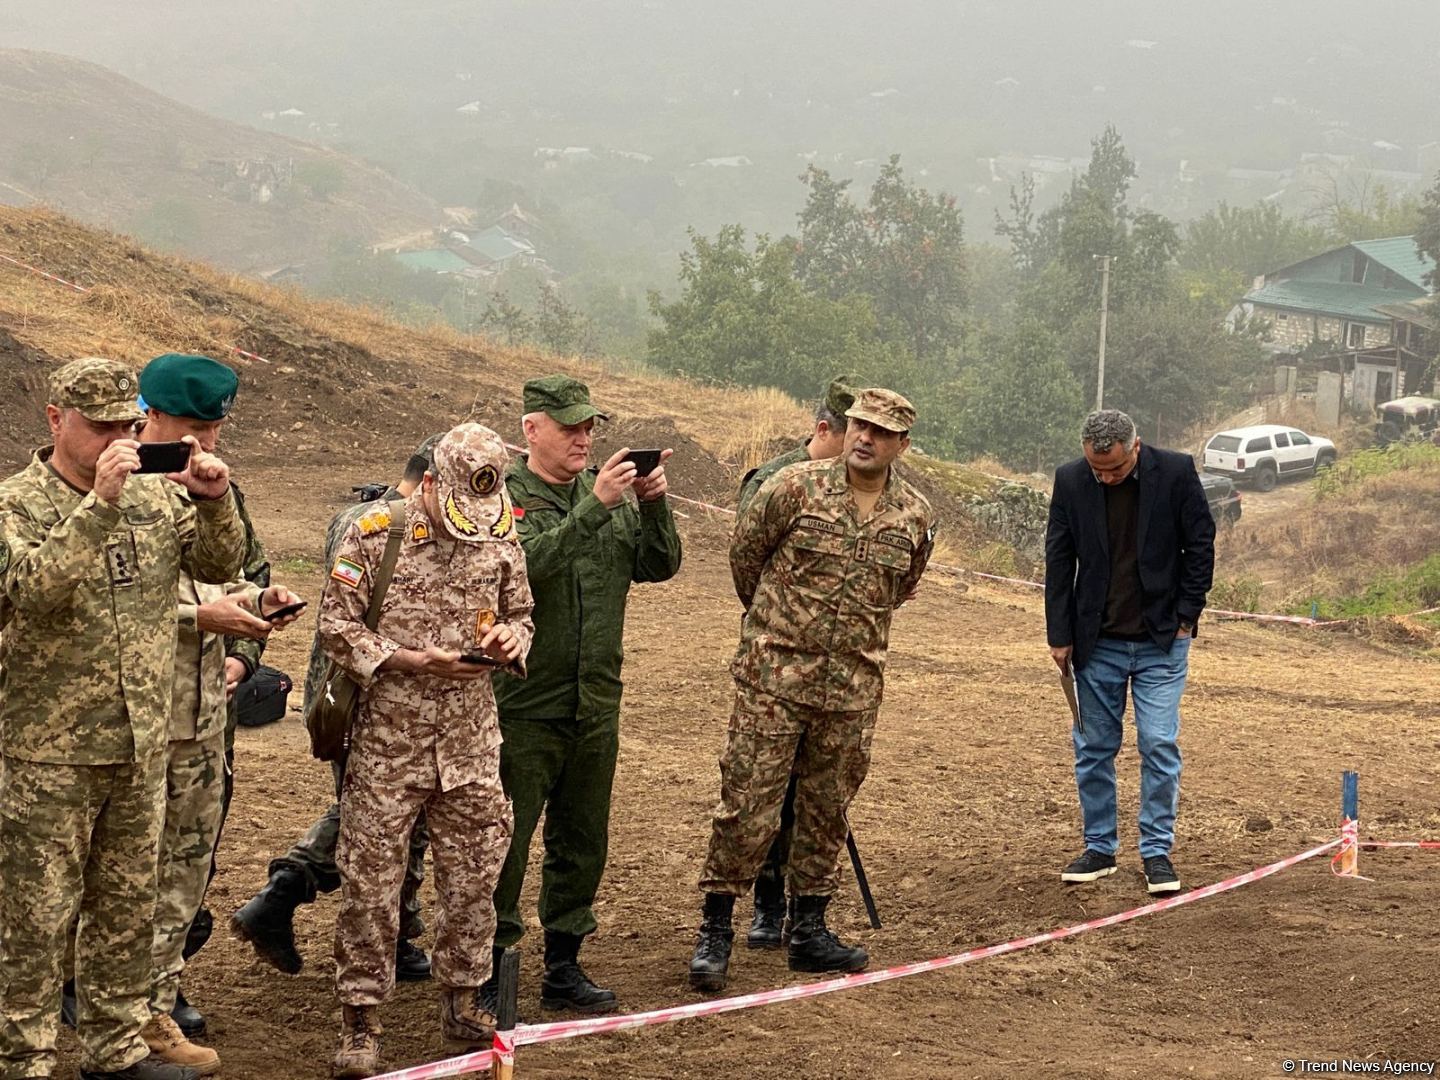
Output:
x=1176 y=546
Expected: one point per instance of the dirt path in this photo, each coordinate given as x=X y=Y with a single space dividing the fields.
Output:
x=965 y=821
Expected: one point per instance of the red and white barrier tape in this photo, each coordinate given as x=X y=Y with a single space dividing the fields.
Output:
x=534 y=1035
x=248 y=355
x=1425 y=845
x=48 y=276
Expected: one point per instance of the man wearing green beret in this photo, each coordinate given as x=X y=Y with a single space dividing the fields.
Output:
x=588 y=534
x=90 y=558
x=768 y=924
x=222 y=633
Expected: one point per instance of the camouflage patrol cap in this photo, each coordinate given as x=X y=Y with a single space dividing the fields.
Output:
x=841 y=394
x=101 y=390
x=426 y=449
x=563 y=399
x=469 y=470
x=883 y=408
x=181 y=384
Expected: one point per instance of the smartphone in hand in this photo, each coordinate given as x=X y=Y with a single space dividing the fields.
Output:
x=286 y=611
x=164 y=457
x=646 y=461
x=479 y=658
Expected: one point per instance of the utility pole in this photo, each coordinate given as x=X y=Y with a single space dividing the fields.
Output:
x=1104 y=319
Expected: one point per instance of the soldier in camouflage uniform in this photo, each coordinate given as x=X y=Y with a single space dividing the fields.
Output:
x=221 y=632
x=767 y=928
x=90 y=557
x=427 y=735
x=266 y=921
x=821 y=559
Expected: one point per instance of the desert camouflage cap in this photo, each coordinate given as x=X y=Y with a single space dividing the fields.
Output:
x=883 y=408
x=563 y=399
x=470 y=473
x=102 y=390
x=841 y=394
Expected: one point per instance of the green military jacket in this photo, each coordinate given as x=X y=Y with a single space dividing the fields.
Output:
x=820 y=583
x=582 y=559
x=752 y=480
x=88 y=611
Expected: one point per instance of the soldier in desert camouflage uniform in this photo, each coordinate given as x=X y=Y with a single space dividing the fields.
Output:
x=89 y=560
x=266 y=921
x=427 y=735
x=767 y=928
x=821 y=559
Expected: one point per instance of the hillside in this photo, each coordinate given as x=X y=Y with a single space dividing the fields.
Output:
x=79 y=137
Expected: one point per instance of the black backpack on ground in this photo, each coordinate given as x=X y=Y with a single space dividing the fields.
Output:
x=260 y=699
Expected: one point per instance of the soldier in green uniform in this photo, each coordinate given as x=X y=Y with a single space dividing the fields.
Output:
x=767 y=928
x=90 y=558
x=587 y=535
x=821 y=558
x=221 y=635
x=267 y=920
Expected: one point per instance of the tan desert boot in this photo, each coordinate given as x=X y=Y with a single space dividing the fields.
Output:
x=464 y=1020
x=359 y=1053
x=167 y=1042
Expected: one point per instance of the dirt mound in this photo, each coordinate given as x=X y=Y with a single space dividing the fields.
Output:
x=24 y=372
x=693 y=472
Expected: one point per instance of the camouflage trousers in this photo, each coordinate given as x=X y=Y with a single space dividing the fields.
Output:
x=313 y=857
x=194 y=798
x=829 y=754
x=77 y=841
x=470 y=830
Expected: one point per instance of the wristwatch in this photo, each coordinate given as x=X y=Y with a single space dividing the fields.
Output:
x=1187 y=626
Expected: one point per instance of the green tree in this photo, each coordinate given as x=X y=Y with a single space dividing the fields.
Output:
x=1018 y=402
x=322 y=177
x=1427 y=236
x=1247 y=241
x=743 y=316
x=505 y=320
x=558 y=327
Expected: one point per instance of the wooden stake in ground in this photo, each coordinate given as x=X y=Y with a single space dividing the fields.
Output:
x=508 y=979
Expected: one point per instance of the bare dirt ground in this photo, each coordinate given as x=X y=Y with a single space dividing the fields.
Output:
x=965 y=821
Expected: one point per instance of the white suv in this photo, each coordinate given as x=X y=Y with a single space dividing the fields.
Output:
x=1266 y=452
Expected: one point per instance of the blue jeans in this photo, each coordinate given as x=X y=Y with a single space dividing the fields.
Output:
x=1156 y=680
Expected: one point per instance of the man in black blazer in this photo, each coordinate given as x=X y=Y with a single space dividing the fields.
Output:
x=1129 y=556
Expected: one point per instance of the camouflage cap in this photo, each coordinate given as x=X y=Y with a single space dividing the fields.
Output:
x=182 y=384
x=426 y=449
x=883 y=408
x=841 y=394
x=470 y=465
x=102 y=390
x=563 y=399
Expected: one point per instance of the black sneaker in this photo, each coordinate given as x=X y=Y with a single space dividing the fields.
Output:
x=1091 y=866
x=1160 y=876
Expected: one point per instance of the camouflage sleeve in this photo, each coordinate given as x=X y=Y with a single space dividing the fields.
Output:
x=342 y=630
x=759 y=531
x=749 y=485
x=918 y=561
x=516 y=605
x=212 y=540
x=657 y=555
x=550 y=552
x=40 y=568
x=255 y=572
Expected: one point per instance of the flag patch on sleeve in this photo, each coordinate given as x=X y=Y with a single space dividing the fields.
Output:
x=348 y=573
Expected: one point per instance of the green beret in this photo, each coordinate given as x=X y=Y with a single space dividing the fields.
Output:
x=179 y=384
x=565 y=400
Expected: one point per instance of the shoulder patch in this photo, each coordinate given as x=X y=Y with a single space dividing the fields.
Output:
x=348 y=573
x=895 y=540
x=377 y=520
x=4 y=556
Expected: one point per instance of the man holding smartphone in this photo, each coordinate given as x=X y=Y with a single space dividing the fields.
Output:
x=90 y=558
x=222 y=631
x=588 y=534
x=426 y=736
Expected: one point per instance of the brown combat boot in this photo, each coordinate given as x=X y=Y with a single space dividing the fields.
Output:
x=463 y=1019
x=168 y=1043
x=359 y=1053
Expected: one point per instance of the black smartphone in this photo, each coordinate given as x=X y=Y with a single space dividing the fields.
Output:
x=646 y=462
x=286 y=611
x=164 y=457
x=478 y=658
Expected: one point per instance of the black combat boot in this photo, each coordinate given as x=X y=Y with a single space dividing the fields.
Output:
x=189 y=1019
x=490 y=989
x=68 y=1010
x=711 y=961
x=813 y=947
x=147 y=1068
x=769 y=921
x=267 y=921
x=411 y=963
x=565 y=985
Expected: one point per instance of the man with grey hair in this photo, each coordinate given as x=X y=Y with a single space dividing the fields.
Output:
x=1129 y=557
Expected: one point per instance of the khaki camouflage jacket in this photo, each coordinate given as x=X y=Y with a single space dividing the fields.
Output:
x=419 y=730
x=819 y=584
x=751 y=482
x=87 y=610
